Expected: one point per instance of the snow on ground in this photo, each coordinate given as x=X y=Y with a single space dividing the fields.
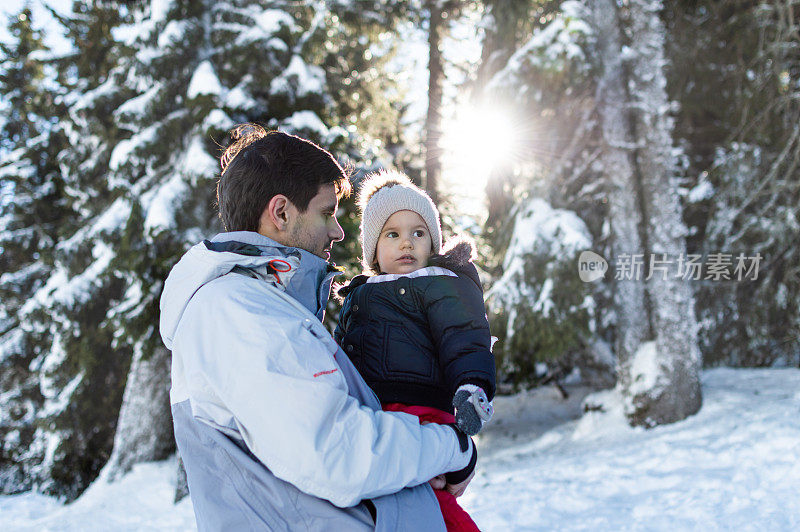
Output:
x=733 y=466
x=142 y=500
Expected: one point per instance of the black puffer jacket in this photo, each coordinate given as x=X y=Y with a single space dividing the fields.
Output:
x=415 y=340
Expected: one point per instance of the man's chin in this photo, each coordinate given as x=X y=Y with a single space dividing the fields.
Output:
x=325 y=254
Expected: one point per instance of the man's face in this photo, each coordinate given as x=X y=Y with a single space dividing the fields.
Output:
x=316 y=229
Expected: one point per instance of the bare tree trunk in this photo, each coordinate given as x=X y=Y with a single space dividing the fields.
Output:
x=144 y=430
x=657 y=331
x=181 y=483
x=617 y=158
x=672 y=298
x=433 y=120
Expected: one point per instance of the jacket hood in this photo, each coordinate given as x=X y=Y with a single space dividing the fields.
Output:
x=456 y=255
x=301 y=274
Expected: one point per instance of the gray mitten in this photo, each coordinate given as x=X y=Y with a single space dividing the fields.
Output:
x=473 y=408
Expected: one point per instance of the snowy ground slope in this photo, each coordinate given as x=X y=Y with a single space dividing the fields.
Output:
x=733 y=466
x=141 y=500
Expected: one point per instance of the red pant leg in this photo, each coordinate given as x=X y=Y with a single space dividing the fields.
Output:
x=455 y=518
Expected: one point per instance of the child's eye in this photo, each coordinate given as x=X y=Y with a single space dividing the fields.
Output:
x=419 y=233
x=391 y=234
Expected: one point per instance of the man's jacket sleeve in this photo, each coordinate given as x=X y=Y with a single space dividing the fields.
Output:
x=269 y=374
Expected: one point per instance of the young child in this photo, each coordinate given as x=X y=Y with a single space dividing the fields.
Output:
x=417 y=329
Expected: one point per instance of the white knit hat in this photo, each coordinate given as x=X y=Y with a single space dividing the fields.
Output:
x=383 y=194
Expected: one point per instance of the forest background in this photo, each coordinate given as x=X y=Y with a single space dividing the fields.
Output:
x=662 y=136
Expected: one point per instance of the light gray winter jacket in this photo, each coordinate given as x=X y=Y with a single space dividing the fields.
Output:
x=276 y=428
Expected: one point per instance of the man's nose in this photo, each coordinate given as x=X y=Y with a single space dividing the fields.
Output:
x=337 y=234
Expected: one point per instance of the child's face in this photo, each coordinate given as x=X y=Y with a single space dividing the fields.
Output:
x=404 y=244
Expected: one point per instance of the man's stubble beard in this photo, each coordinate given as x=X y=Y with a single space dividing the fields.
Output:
x=300 y=238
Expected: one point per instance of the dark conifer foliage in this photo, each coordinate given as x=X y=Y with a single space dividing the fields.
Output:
x=109 y=165
x=34 y=213
x=735 y=69
x=148 y=95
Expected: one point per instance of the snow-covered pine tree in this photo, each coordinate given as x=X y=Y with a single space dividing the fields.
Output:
x=314 y=81
x=367 y=104
x=659 y=358
x=33 y=211
x=505 y=23
x=28 y=170
x=540 y=310
x=145 y=130
x=552 y=179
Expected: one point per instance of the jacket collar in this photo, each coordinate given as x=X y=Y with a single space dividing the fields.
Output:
x=301 y=274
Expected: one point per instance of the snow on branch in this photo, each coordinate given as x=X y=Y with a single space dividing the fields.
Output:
x=162 y=204
x=299 y=78
x=204 y=81
x=124 y=150
x=63 y=289
x=136 y=107
x=551 y=47
x=305 y=121
x=110 y=220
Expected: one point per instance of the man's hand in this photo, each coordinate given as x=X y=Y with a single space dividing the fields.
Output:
x=458 y=489
x=438 y=483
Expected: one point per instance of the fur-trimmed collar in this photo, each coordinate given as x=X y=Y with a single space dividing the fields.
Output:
x=456 y=256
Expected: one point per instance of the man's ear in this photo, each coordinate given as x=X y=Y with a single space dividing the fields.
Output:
x=275 y=217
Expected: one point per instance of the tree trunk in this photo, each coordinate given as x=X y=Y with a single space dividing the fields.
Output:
x=144 y=430
x=657 y=334
x=181 y=483
x=618 y=162
x=672 y=298
x=433 y=120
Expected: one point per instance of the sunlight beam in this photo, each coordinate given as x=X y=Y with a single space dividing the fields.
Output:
x=476 y=141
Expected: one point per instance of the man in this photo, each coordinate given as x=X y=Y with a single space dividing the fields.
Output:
x=275 y=427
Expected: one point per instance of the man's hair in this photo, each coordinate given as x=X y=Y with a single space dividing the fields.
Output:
x=259 y=164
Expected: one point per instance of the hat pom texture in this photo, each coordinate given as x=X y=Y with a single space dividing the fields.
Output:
x=383 y=194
